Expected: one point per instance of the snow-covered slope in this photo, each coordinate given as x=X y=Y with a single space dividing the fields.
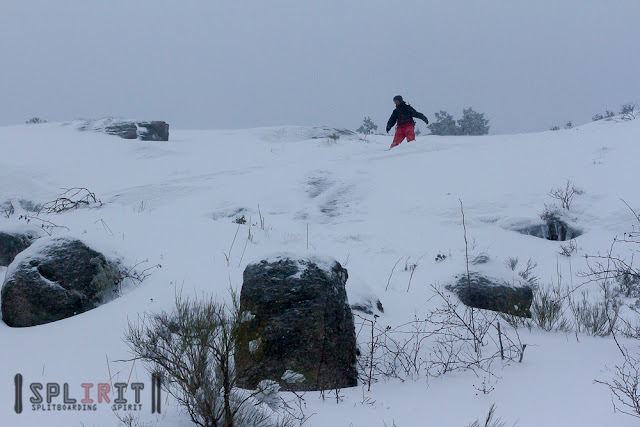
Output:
x=174 y=204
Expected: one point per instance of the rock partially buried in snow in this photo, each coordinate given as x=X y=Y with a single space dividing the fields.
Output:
x=144 y=131
x=491 y=294
x=364 y=299
x=299 y=329
x=11 y=244
x=369 y=306
x=53 y=279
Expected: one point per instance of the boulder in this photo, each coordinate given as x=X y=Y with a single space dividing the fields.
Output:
x=11 y=244
x=125 y=130
x=493 y=294
x=153 y=131
x=298 y=328
x=144 y=131
x=56 y=278
x=368 y=306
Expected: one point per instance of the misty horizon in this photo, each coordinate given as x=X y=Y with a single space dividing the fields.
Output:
x=232 y=65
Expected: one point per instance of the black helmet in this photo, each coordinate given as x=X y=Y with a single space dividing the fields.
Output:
x=397 y=98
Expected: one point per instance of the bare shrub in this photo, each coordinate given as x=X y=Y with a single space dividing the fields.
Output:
x=481 y=258
x=192 y=348
x=512 y=263
x=135 y=274
x=392 y=352
x=597 y=318
x=565 y=194
x=35 y=121
x=44 y=224
x=129 y=420
x=7 y=209
x=625 y=384
x=489 y=420
x=628 y=111
x=568 y=249
x=628 y=281
x=451 y=337
x=443 y=341
x=548 y=309
x=71 y=198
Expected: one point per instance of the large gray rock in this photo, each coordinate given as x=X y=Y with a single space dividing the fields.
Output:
x=153 y=131
x=11 y=244
x=144 y=131
x=491 y=294
x=300 y=331
x=54 y=279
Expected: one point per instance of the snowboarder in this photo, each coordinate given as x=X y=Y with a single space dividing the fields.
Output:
x=403 y=115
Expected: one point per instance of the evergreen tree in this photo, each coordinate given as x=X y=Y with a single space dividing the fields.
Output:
x=444 y=124
x=472 y=123
x=367 y=127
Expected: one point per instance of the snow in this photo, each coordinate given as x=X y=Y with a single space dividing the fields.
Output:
x=324 y=262
x=172 y=203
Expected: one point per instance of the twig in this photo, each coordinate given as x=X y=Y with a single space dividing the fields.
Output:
x=394 y=267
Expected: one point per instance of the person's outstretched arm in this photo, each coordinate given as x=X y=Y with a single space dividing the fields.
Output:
x=392 y=120
x=418 y=115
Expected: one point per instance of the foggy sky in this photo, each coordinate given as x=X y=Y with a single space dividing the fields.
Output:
x=220 y=64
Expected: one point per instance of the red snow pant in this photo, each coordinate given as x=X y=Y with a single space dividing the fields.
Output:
x=402 y=132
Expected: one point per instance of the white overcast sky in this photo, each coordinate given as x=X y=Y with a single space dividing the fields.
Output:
x=233 y=64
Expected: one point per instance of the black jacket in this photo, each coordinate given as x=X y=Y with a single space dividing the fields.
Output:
x=403 y=114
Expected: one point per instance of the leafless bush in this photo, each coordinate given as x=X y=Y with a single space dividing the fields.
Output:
x=71 y=198
x=443 y=341
x=597 y=318
x=565 y=194
x=391 y=352
x=449 y=338
x=44 y=224
x=7 y=209
x=489 y=420
x=629 y=328
x=35 y=121
x=629 y=283
x=512 y=263
x=129 y=420
x=625 y=383
x=617 y=262
x=528 y=274
x=548 y=309
x=463 y=342
x=136 y=274
x=193 y=349
x=628 y=111
x=568 y=249
x=481 y=258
